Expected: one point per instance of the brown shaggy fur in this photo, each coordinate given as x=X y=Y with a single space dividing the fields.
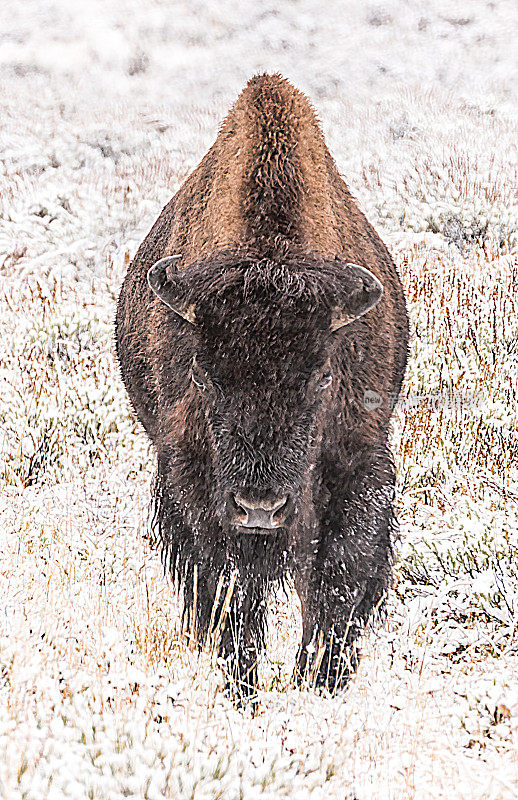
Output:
x=238 y=401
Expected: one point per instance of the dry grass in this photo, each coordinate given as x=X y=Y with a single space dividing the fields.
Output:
x=460 y=412
x=120 y=686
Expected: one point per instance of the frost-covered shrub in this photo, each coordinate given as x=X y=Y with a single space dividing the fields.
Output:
x=64 y=406
x=456 y=447
x=464 y=577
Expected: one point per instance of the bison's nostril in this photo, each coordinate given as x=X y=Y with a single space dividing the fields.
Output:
x=278 y=511
x=263 y=513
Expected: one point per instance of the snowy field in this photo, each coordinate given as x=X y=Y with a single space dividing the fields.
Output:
x=105 y=108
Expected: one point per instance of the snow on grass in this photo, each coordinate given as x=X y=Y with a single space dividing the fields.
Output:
x=106 y=107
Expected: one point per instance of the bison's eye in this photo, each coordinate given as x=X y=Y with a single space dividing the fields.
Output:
x=198 y=380
x=325 y=382
x=197 y=376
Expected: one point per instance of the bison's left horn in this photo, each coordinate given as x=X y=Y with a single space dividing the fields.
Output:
x=167 y=289
x=363 y=292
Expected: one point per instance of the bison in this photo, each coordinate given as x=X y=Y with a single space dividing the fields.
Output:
x=257 y=316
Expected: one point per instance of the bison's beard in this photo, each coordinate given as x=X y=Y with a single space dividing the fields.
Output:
x=199 y=544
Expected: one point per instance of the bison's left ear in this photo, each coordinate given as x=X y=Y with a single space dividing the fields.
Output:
x=361 y=291
x=169 y=290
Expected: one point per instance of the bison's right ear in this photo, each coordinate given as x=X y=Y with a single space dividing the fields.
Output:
x=168 y=290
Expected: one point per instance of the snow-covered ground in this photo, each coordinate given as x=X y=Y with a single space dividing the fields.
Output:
x=105 y=108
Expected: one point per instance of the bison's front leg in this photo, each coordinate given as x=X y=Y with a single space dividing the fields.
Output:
x=349 y=570
x=225 y=583
x=244 y=636
x=231 y=616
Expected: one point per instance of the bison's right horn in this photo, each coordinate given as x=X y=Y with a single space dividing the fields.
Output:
x=362 y=291
x=166 y=289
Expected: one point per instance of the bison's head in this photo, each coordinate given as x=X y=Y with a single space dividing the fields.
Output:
x=259 y=356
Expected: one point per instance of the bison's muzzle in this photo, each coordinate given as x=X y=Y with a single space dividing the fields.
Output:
x=258 y=516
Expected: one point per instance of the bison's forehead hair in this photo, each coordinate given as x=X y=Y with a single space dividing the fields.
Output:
x=307 y=281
